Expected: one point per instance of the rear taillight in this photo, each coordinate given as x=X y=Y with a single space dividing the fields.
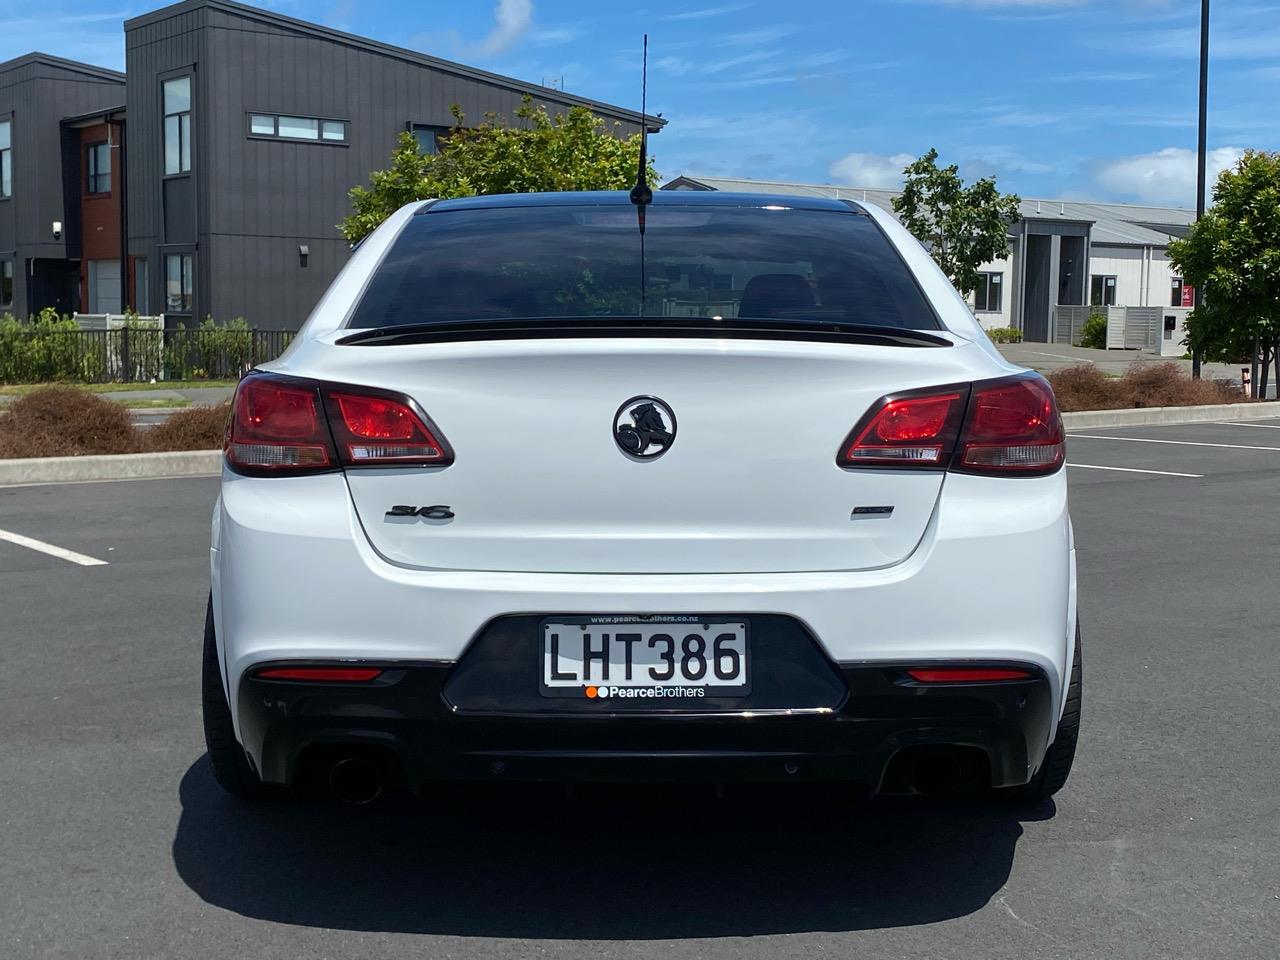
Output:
x=378 y=430
x=277 y=427
x=908 y=430
x=1013 y=427
x=1007 y=427
x=967 y=674
x=286 y=425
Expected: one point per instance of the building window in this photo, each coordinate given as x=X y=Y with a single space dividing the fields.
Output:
x=297 y=128
x=6 y=284
x=1102 y=291
x=99 y=164
x=177 y=125
x=177 y=283
x=141 y=288
x=428 y=137
x=6 y=160
x=1182 y=294
x=987 y=299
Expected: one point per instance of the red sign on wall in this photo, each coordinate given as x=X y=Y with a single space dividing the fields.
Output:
x=1188 y=295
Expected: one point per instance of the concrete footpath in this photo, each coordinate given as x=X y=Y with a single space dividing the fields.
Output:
x=1047 y=357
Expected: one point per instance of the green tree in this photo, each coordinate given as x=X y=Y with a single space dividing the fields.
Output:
x=575 y=150
x=962 y=227
x=1232 y=255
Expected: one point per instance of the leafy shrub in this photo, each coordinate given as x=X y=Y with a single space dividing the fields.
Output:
x=1094 y=332
x=1085 y=387
x=65 y=422
x=47 y=348
x=197 y=428
x=1005 y=335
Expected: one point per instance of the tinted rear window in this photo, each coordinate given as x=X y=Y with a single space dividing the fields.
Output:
x=559 y=262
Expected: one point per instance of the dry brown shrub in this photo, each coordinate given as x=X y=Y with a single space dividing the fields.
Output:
x=1168 y=385
x=198 y=428
x=1084 y=387
x=65 y=422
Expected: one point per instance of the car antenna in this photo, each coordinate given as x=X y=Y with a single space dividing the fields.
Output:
x=641 y=194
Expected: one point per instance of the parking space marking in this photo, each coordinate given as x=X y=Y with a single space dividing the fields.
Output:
x=1238 y=423
x=60 y=552
x=1176 y=443
x=1060 y=356
x=1162 y=473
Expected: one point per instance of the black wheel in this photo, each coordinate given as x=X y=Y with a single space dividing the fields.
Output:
x=230 y=766
x=1056 y=768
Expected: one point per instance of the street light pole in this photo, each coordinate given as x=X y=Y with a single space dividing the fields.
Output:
x=1202 y=147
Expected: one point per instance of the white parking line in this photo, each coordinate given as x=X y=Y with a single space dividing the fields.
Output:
x=1061 y=356
x=1176 y=443
x=1238 y=423
x=1162 y=473
x=60 y=552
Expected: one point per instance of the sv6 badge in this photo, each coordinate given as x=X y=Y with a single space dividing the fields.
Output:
x=436 y=512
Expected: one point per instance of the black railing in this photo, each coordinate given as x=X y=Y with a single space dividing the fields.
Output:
x=134 y=355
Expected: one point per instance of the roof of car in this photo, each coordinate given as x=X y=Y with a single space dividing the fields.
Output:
x=608 y=198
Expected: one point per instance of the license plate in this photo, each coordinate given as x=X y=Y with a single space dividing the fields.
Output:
x=661 y=659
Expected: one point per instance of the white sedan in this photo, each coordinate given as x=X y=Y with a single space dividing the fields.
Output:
x=553 y=486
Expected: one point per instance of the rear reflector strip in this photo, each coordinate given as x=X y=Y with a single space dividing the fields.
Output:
x=966 y=674
x=321 y=674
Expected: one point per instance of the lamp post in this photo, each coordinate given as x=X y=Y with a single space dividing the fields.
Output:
x=1201 y=149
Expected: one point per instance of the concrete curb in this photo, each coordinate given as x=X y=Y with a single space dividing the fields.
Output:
x=1143 y=416
x=128 y=466
x=208 y=463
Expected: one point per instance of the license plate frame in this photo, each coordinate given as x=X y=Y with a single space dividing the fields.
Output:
x=562 y=649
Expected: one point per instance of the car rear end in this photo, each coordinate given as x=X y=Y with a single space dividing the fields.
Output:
x=729 y=487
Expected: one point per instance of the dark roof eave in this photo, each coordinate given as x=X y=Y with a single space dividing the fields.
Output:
x=49 y=59
x=99 y=116
x=386 y=49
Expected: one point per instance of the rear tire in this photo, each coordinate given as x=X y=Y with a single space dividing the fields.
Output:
x=230 y=765
x=1056 y=767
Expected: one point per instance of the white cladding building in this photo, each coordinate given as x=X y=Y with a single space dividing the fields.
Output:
x=1061 y=252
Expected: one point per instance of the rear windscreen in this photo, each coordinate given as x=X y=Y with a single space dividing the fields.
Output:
x=560 y=262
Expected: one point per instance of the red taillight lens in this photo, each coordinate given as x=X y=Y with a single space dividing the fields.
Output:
x=910 y=431
x=321 y=674
x=276 y=426
x=1007 y=427
x=1013 y=427
x=377 y=430
x=966 y=674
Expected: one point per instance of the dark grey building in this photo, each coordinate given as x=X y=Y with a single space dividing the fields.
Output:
x=246 y=129
x=40 y=175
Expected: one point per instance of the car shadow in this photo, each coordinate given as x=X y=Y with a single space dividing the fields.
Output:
x=608 y=862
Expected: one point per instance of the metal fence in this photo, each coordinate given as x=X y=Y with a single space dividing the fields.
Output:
x=133 y=355
x=1128 y=328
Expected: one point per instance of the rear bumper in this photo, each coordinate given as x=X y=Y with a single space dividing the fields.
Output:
x=407 y=714
x=294 y=578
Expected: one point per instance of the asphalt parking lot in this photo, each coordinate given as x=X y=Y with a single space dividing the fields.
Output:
x=1166 y=842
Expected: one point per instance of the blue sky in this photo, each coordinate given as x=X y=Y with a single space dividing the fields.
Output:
x=1057 y=98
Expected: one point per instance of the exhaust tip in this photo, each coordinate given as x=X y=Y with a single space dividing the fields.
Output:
x=355 y=780
x=938 y=771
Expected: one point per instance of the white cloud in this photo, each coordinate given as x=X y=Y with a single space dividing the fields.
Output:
x=704 y=13
x=1164 y=176
x=1015 y=4
x=513 y=18
x=871 y=169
